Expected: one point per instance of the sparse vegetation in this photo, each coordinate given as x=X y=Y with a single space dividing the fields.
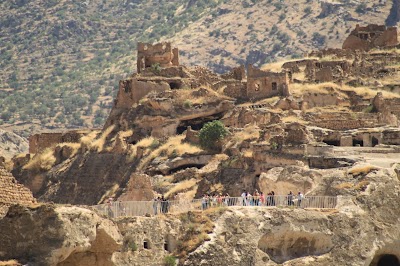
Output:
x=169 y=260
x=212 y=133
x=42 y=161
x=197 y=226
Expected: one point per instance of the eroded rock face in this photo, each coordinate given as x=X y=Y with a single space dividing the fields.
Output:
x=287 y=244
x=50 y=235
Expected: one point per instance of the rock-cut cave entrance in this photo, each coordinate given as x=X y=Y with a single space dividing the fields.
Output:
x=197 y=123
x=386 y=260
x=332 y=142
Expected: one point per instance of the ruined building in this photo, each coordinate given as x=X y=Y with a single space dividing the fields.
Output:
x=161 y=53
x=265 y=84
x=371 y=36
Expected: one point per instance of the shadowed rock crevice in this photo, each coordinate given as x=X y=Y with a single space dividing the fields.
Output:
x=288 y=245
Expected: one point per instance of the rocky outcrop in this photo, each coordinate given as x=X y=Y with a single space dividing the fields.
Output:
x=11 y=144
x=50 y=235
x=364 y=230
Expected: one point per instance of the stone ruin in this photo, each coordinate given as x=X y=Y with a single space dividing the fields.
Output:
x=39 y=142
x=266 y=84
x=161 y=54
x=11 y=192
x=371 y=36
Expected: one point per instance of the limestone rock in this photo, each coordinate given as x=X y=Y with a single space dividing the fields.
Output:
x=50 y=235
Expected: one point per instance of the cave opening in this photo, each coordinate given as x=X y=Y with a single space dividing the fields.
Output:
x=358 y=143
x=375 y=141
x=175 y=85
x=197 y=123
x=183 y=167
x=332 y=142
x=388 y=260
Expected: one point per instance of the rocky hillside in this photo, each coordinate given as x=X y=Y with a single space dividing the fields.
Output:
x=363 y=230
x=12 y=144
x=61 y=61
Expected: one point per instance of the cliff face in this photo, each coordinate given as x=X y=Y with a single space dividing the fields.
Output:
x=363 y=230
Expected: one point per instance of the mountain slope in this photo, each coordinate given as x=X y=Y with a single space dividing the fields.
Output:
x=60 y=61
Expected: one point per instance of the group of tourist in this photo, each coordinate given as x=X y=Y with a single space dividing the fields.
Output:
x=248 y=199
x=160 y=205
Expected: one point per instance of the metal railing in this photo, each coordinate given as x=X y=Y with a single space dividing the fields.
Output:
x=142 y=208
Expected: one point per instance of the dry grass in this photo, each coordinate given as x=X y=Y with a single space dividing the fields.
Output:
x=362 y=169
x=361 y=185
x=43 y=161
x=185 y=97
x=294 y=119
x=196 y=227
x=181 y=186
x=320 y=88
x=249 y=132
x=74 y=147
x=98 y=144
x=89 y=138
x=10 y=263
x=277 y=66
x=367 y=92
x=217 y=188
x=345 y=185
x=173 y=146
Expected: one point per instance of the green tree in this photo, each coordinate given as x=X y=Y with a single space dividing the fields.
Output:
x=211 y=134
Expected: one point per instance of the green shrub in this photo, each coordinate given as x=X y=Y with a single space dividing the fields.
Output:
x=169 y=261
x=187 y=104
x=211 y=134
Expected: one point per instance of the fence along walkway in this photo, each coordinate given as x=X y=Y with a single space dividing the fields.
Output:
x=142 y=208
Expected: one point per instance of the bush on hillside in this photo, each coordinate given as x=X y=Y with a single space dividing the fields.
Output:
x=211 y=134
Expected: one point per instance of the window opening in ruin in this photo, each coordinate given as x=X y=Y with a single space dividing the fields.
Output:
x=146 y=244
x=166 y=246
x=274 y=86
x=257 y=87
x=332 y=142
x=375 y=141
x=358 y=143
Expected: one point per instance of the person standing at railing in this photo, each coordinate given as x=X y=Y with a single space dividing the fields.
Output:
x=156 y=203
x=220 y=198
x=272 y=198
x=262 y=199
x=300 y=198
x=204 y=201
x=256 y=198
x=227 y=200
x=290 y=199
x=244 y=197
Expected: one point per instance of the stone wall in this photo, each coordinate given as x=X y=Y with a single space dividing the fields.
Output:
x=11 y=192
x=40 y=142
x=161 y=53
x=131 y=91
x=371 y=36
x=264 y=84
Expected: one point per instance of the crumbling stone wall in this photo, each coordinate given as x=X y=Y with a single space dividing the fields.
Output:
x=236 y=89
x=326 y=71
x=264 y=84
x=11 y=192
x=237 y=73
x=161 y=53
x=131 y=91
x=371 y=36
x=40 y=142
